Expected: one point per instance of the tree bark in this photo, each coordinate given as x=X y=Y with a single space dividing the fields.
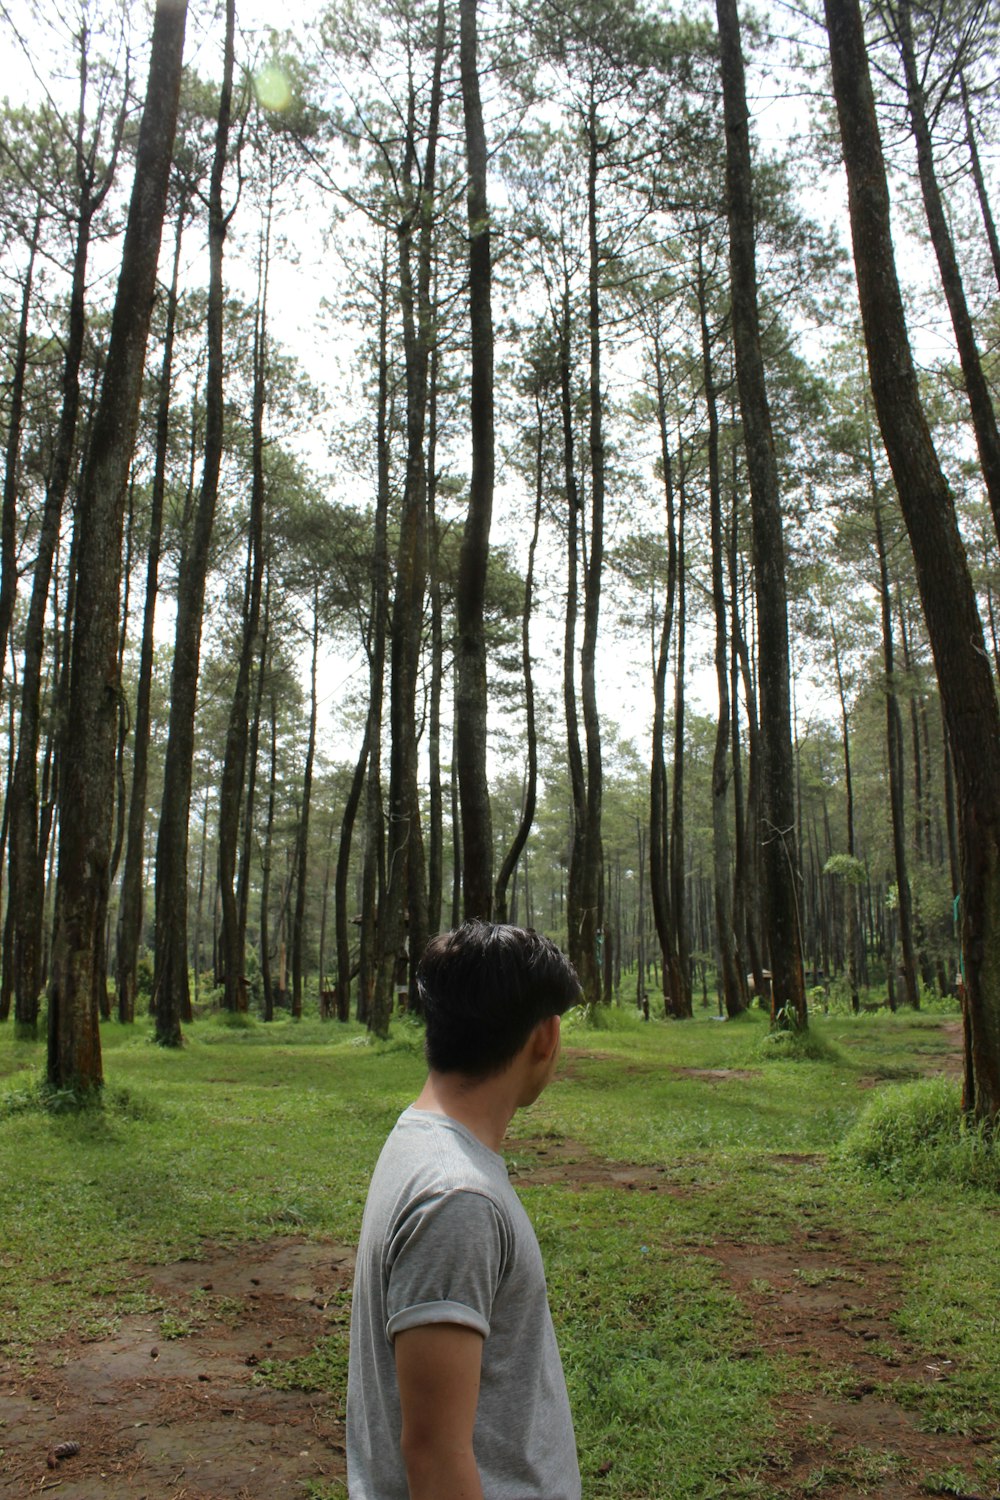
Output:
x=302 y=858
x=74 y=1051
x=373 y=868
x=403 y=914
x=470 y=645
x=777 y=769
x=170 y=983
x=233 y=784
x=527 y=818
x=130 y=900
x=27 y=852
x=664 y=916
x=679 y=1000
x=12 y=447
x=955 y=630
x=734 y=992
x=894 y=752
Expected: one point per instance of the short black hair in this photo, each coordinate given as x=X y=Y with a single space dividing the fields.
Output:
x=484 y=988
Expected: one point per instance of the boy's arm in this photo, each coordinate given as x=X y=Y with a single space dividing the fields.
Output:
x=438 y=1367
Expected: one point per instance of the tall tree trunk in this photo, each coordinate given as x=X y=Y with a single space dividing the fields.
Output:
x=659 y=839
x=302 y=858
x=244 y=877
x=373 y=868
x=233 y=784
x=267 y=982
x=850 y=888
x=574 y=754
x=680 y=998
x=403 y=916
x=12 y=448
x=74 y=1051
x=953 y=624
x=527 y=818
x=470 y=654
x=733 y=980
x=27 y=851
x=130 y=900
x=590 y=884
x=777 y=768
x=170 y=984
x=894 y=749
x=435 y=794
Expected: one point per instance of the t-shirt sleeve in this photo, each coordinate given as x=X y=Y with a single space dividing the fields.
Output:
x=445 y=1263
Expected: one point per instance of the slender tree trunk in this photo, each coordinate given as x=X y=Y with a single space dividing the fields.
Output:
x=778 y=829
x=265 y=883
x=527 y=818
x=850 y=888
x=659 y=840
x=574 y=754
x=302 y=859
x=170 y=984
x=373 y=869
x=953 y=624
x=74 y=1052
x=989 y=224
x=894 y=749
x=680 y=998
x=731 y=973
x=590 y=884
x=435 y=795
x=322 y=987
x=244 y=876
x=232 y=788
x=470 y=644
x=343 y=987
x=12 y=449
x=403 y=912
x=27 y=852
x=130 y=900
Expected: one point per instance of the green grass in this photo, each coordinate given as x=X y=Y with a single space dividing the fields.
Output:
x=261 y=1130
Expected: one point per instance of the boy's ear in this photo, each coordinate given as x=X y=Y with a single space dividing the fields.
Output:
x=546 y=1037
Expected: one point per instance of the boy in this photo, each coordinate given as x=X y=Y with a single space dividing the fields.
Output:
x=456 y=1390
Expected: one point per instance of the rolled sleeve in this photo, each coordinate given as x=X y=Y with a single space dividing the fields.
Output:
x=447 y=1259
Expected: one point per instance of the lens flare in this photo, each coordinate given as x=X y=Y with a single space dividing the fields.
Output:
x=272 y=88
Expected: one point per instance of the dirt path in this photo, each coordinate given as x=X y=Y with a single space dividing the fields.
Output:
x=171 y=1407
x=819 y=1302
x=181 y=1416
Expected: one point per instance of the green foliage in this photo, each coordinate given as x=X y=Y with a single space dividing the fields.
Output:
x=787 y=1042
x=846 y=868
x=915 y=1134
x=39 y=1097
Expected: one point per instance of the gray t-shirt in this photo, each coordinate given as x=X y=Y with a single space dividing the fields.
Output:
x=446 y=1240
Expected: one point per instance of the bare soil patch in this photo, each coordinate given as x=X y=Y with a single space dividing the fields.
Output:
x=553 y=1159
x=181 y=1417
x=821 y=1302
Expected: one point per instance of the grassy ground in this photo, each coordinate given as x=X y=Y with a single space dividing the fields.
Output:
x=261 y=1131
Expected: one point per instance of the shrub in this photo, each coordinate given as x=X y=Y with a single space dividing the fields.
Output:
x=915 y=1133
x=791 y=1043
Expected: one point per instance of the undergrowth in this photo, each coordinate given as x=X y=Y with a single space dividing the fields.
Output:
x=915 y=1134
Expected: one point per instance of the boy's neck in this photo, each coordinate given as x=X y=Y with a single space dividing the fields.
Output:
x=485 y=1106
